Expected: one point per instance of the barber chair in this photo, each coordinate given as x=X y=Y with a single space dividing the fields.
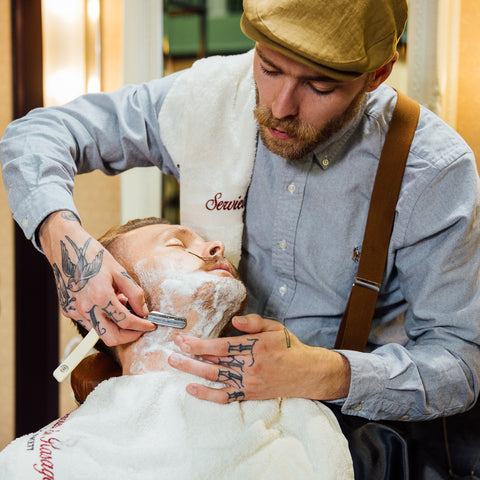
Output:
x=91 y=371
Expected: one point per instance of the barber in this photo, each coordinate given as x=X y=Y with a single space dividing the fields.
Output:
x=323 y=112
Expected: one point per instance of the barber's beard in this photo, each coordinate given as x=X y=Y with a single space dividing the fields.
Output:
x=305 y=137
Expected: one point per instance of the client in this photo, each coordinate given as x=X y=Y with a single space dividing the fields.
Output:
x=143 y=424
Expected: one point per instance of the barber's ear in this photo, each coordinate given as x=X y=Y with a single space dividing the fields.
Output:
x=379 y=76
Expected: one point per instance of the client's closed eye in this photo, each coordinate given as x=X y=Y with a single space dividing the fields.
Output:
x=175 y=243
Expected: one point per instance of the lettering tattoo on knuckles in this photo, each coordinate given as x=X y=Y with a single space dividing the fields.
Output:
x=232 y=363
x=242 y=347
x=126 y=275
x=235 y=397
x=96 y=323
x=229 y=376
x=113 y=313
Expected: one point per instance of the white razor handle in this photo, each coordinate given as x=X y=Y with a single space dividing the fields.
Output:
x=76 y=356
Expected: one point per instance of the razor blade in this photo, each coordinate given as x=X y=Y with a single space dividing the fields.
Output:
x=166 y=320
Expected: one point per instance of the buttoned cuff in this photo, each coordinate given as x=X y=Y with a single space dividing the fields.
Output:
x=367 y=384
x=43 y=201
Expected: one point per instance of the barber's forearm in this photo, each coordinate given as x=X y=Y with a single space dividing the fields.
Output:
x=400 y=384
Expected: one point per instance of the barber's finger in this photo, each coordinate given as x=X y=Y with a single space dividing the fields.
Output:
x=126 y=285
x=113 y=335
x=117 y=312
x=194 y=367
x=224 y=395
x=219 y=347
x=254 y=323
x=213 y=373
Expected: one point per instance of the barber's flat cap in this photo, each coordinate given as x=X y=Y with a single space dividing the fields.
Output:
x=340 y=38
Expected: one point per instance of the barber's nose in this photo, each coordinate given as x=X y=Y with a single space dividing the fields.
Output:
x=285 y=103
x=212 y=249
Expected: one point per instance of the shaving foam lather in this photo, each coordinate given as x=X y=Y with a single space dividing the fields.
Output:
x=82 y=349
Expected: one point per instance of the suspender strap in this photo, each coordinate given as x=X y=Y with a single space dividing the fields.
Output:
x=357 y=318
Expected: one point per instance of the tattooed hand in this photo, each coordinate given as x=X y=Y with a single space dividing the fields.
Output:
x=92 y=286
x=268 y=362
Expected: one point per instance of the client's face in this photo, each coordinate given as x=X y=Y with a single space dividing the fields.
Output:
x=172 y=247
x=181 y=274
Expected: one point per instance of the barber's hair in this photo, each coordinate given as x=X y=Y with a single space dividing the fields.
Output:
x=107 y=240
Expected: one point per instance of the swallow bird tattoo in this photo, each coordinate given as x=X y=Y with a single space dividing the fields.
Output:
x=78 y=274
x=64 y=297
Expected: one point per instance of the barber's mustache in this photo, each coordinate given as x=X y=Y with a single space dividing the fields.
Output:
x=291 y=126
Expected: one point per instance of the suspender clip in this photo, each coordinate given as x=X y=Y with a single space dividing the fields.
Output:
x=361 y=282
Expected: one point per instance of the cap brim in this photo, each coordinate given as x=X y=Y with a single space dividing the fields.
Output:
x=251 y=32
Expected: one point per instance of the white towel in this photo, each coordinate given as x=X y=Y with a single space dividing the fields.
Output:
x=147 y=427
x=208 y=127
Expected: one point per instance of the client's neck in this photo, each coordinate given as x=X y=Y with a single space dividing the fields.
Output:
x=150 y=352
x=207 y=303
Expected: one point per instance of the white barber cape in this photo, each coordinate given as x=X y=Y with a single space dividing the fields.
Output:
x=147 y=427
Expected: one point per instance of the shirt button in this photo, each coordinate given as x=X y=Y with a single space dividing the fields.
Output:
x=405 y=417
x=325 y=162
x=358 y=407
x=25 y=223
x=292 y=188
x=283 y=290
x=282 y=244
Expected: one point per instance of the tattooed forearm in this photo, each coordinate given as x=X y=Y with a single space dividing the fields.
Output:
x=242 y=347
x=287 y=337
x=67 y=215
x=78 y=274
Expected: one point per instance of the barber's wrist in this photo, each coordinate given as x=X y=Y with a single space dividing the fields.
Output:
x=344 y=377
x=59 y=221
x=333 y=380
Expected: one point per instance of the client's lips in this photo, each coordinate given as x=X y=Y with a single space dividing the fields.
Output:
x=220 y=267
x=280 y=134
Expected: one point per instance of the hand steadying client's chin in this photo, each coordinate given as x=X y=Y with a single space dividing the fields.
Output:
x=267 y=362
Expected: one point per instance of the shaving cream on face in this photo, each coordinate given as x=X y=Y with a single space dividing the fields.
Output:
x=207 y=302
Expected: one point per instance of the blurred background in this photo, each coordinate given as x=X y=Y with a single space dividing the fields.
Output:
x=54 y=50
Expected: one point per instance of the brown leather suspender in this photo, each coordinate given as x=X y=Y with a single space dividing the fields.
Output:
x=357 y=318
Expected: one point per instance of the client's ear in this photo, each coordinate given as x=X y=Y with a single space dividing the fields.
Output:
x=91 y=371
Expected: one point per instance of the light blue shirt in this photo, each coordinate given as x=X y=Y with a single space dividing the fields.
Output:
x=304 y=227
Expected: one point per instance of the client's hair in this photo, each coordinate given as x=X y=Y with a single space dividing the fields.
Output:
x=107 y=240
x=111 y=235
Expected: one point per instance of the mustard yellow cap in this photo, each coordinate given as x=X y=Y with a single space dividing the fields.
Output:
x=341 y=39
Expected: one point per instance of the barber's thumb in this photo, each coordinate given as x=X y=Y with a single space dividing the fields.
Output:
x=254 y=323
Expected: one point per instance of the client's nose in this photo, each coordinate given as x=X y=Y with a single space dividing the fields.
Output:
x=212 y=249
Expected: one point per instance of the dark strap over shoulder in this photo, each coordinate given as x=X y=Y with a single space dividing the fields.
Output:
x=358 y=315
